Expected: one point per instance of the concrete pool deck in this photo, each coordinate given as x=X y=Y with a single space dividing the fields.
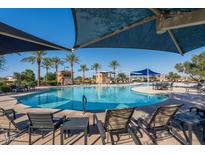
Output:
x=178 y=95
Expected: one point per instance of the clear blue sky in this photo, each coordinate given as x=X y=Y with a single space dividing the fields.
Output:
x=56 y=25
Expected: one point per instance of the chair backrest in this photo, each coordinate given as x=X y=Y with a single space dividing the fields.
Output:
x=6 y=121
x=118 y=119
x=163 y=115
x=41 y=120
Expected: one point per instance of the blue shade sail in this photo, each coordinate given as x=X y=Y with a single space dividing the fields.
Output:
x=92 y=25
x=144 y=72
x=13 y=40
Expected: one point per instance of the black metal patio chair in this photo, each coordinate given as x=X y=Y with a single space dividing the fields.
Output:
x=117 y=121
x=9 y=126
x=161 y=120
x=201 y=113
x=44 y=122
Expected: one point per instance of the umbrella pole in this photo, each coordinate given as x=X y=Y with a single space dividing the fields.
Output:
x=147 y=75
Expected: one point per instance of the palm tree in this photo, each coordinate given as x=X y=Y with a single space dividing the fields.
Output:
x=72 y=59
x=83 y=68
x=56 y=62
x=36 y=57
x=114 y=64
x=47 y=63
x=96 y=67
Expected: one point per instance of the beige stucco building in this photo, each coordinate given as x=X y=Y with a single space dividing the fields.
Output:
x=64 y=77
x=102 y=78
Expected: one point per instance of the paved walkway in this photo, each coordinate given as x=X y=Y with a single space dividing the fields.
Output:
x=178 y=95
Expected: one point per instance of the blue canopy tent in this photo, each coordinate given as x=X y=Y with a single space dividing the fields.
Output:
x=177 y=30
x=13 y=40
x=146 y=72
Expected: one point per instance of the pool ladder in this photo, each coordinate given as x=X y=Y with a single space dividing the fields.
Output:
x=84 y=102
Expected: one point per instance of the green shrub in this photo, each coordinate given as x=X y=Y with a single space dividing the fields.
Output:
x=1 y=83
x=52 y=83
x=5 y=89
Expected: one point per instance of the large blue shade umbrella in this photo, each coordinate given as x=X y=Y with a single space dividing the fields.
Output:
x=144 y=72
x=172 y=30
x=13 y=40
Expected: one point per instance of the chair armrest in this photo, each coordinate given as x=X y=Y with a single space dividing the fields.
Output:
x=198 y=111
x=101 y=130
x=11 y=111
x=192 y=108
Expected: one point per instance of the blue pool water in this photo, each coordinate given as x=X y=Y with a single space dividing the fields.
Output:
x=98 y=98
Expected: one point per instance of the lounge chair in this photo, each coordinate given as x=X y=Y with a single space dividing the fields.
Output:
x=160 y=121
x=117 y=121
x=44 y=122
x=198 y=87
x=9 y=126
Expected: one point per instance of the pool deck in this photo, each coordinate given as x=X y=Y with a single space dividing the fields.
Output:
x=177 y=95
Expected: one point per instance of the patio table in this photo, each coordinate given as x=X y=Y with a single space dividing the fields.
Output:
x=75 y=123
x=190 y=120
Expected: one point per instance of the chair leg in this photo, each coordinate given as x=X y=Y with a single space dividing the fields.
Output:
x=112 y=139
x=29 y=132
x=53 y=137
x=8 y=136
x=204 y=133
x=108 y=137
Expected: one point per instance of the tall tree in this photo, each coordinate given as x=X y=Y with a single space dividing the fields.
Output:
x=83 y=68
x=195 y=68
x=18 y=78
x=122 y=77
x=36 y=57
x=72 y=59
x=56 y=62
x=173 y=76
x=28 y=76
x=96 y=67
x=47 y=64
x=2 y=62
x=114 y=64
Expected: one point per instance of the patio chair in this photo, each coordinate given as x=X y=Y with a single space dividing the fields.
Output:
x=201 y=113
x=9 y=126
x=160 y=121
x=117 y=121
x=43 y=122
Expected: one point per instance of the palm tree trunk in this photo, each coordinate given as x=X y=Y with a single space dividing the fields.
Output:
x=71 y=66
x=83 y=76
x=46 y=75
x=39 y=74
x=56 y=67
x=114 y=74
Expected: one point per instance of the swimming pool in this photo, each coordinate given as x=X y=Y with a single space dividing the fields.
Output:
x=98 y=98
